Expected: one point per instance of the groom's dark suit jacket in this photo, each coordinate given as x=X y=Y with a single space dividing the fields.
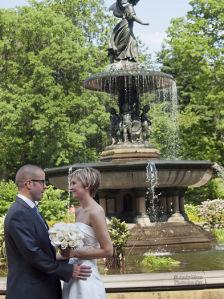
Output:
x=33 y=272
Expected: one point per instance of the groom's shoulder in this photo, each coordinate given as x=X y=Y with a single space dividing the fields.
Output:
x=17 y=209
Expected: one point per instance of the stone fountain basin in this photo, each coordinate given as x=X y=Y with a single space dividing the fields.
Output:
x=132 y=174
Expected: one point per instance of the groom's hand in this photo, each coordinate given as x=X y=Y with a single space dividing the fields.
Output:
x=81 y=272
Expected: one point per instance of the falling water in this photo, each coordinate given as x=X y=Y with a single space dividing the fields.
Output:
x=139 y=78
x=158 y=253
x=69 y=185
x=173 y=140
x=151 y=196
x=145 y=79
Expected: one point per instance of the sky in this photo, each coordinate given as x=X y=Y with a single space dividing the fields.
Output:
x=157 y=12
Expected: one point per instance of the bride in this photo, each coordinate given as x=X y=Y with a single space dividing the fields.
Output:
x=91 y=221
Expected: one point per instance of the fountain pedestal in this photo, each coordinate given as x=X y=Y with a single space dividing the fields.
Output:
x=176 y=217
x=129 y=153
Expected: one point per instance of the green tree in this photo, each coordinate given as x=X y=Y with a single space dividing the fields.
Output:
x=46 y=117
x=193 y=54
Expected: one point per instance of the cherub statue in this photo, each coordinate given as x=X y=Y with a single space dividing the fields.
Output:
x=123 y=44
x=115 y=124
x=146 y=123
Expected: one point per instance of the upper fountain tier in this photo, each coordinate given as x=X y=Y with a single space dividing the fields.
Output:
x=131 y=73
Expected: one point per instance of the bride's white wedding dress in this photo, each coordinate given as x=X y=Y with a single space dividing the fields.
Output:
x=92 y=287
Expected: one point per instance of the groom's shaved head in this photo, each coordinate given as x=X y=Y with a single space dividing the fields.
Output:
x=27 y=172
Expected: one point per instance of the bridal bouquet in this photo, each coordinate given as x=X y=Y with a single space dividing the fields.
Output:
x=66 y=235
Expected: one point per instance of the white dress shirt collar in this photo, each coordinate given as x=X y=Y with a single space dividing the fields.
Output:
x=27 y=200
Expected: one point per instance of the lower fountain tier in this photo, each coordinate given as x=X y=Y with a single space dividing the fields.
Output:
x=127 y=175
x=122 y=194
x=170 y=237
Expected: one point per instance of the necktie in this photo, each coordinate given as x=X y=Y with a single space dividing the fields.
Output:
x=39 y=215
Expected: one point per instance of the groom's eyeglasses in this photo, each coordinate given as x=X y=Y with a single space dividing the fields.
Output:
x=43 y=182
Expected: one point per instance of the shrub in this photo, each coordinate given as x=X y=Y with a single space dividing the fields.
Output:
x=119 y=234
x=52 y=206
x=213 y=213
x=153 y=262
x=2 y=242
x=218 y=187
x=192 y=213
x=8 y=191
x=67 y=218
x=219 y=234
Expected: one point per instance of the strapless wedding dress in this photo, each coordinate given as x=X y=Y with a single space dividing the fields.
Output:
x=92 y=288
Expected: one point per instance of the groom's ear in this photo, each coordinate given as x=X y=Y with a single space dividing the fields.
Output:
x=27 y=184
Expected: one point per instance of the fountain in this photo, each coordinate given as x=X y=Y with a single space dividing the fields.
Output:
x=131 y=163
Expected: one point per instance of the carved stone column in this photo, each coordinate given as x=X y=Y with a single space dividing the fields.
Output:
x=168 y=205
x=176 y=217
x=119 y=203
x=164 y=214
x=110 y=206
x=182 y=208
x=142 y=218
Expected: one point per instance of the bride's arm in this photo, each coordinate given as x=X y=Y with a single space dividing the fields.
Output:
x=98 y=223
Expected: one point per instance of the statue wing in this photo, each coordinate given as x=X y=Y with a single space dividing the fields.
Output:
x=118 y=8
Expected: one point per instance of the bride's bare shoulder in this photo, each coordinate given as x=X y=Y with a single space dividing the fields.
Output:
x=97 y=211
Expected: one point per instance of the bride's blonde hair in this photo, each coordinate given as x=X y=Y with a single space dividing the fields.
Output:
x=89 y=177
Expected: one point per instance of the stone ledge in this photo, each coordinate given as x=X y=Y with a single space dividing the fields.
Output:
x=152 y=282
x=164 y=281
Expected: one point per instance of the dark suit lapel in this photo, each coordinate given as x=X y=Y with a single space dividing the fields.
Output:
x=44 y=220
x=34 y=214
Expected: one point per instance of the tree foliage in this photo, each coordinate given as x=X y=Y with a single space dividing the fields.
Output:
x=46 y=117
x=193 y=54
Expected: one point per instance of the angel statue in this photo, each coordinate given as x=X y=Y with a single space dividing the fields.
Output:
x=123 y=44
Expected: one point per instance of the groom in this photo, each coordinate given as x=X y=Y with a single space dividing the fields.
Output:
x=33 y=271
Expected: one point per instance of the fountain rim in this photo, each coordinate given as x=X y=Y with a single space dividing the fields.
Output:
x=121 y=73
x=143 y=73
x=132 y=165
